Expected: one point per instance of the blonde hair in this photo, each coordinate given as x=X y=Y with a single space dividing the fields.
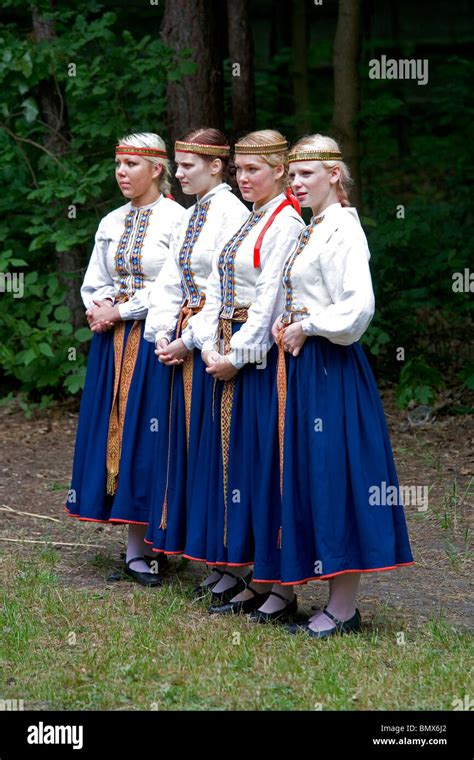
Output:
x=268 y=137
x=324 y=144
x=151 y=140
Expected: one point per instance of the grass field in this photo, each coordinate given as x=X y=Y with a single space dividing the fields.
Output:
x=127 y=647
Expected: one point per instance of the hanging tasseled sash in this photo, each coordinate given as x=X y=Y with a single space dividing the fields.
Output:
x=281 y=366
x=124 y=365
x=187 y=367
x=281 y=393
x=185 y=315
x=225 y=334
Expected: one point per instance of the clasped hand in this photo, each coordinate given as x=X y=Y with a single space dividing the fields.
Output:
x=102 y=316
x=219 y=366
x=173 y=353
x=292 y=335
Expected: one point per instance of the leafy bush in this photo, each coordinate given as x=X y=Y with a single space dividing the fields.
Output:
x=107 y=82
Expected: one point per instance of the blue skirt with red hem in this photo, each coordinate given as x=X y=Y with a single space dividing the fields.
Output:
x=87 y=498
x=244 y=531
x=175 y=463
x=337 y=458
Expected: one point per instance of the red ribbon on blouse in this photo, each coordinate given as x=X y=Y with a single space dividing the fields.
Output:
x=290 y=200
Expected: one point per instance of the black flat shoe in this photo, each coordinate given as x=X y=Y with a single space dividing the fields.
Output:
x=241 y=607
x=201 y=590
x=297 y=627
x=240 y=584
x=159 y=557
x=161 y=560
x=340 y=628
x=144 y=579
x=282 y=616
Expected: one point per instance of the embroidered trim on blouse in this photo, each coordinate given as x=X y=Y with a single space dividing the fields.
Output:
x=302 y=242
x=128 y=259
x=226 y=263
x=188 y=285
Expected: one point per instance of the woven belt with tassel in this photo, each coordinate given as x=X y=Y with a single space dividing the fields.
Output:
x=224 y=334
x=187 y=368
x=124 y=366
x=286 y=319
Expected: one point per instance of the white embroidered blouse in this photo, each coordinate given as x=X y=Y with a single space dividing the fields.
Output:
x=205 y=228
x=326 y=279
x=131 y=245
x=236 y=283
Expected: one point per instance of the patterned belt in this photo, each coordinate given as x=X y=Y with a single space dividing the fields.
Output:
x=286 y=318
x=124 y=366
x=295 y=315
x=187 y=367
x=186 y=313
x=224 y=335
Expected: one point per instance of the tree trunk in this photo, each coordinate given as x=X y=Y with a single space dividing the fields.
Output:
x=197 y=100
x=241 y=53
x=346 y=54
x=401 y=120
x=53 y=113
x=300 y=67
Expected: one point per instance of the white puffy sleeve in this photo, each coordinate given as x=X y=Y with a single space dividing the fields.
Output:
x=346 y=274
x=254 y=338
x=98 y=284
x=165 y=301
x=201 y=330
x=137 y=306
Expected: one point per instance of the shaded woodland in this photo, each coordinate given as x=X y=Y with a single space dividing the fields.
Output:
x=75 y=79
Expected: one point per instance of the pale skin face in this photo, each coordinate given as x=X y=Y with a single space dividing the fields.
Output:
x=258 y=182
x=136 y=178
x=196 y=175
x=316 y=187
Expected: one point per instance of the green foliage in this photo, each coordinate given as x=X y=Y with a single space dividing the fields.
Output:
x=107 y=82
x=107 y=71
x=42 y=347
x=418 y=168
x=418 y=383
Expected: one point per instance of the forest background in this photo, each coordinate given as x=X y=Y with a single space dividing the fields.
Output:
x=73 y=80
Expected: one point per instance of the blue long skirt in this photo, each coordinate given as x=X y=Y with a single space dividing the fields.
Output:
x=88 y=499
x=246 y=531
x=336 y=450
x=175 y=463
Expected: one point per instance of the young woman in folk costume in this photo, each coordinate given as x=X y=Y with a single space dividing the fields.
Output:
x=202 y=157
x=228 y=526
x=113 y=459
x=335 y=446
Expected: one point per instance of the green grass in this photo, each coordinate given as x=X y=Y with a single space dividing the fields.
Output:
x=456 y=534
x=125 y=647
x=56 y=486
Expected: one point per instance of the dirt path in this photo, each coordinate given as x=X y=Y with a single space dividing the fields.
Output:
x=35 y=467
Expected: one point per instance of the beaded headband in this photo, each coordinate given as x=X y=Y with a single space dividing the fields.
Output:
x=314 y=155
x=133 y=151
x=260 y=150
x=202 y=149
